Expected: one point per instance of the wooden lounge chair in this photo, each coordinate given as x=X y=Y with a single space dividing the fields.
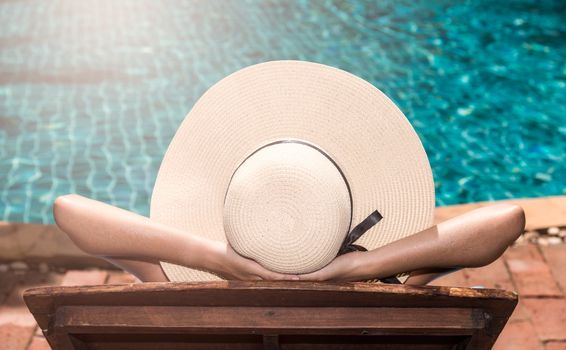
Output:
x=270 y=315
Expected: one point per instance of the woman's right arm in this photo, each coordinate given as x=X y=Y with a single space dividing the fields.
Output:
x=107 y=231
x=104 y=230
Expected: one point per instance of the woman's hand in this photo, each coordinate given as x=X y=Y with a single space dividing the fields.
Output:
x=231 y=265
x=344 y=268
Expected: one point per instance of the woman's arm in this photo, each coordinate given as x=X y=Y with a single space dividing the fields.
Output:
x=107 y=231
x=103 y=230
x=473 y=239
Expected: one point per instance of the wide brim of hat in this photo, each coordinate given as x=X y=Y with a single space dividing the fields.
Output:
x=368 y=137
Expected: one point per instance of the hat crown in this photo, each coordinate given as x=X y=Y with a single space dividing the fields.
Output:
x=288 y=207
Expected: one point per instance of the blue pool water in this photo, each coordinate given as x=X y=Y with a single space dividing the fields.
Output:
x=91 y=93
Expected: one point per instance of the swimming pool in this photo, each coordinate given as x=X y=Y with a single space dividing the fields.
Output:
x=92 y=93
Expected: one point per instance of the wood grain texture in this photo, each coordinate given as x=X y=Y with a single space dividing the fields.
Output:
x=284 y=315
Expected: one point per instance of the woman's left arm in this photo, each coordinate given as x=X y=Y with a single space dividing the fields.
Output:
x=473 y=239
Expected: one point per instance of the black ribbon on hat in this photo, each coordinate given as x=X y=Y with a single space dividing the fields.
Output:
x=348 y=245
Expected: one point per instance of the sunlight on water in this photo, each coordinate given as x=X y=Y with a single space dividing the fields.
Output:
x=92 y=93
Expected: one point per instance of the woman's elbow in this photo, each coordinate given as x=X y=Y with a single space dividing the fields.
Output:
x=61 y=206
x=67 y=219
x=510 y=221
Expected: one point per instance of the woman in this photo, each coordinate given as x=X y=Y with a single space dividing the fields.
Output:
x=137 y=244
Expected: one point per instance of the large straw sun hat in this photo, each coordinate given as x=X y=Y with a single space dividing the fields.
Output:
x=290 y=162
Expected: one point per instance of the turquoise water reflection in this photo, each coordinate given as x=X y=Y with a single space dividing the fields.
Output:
x=91 y=93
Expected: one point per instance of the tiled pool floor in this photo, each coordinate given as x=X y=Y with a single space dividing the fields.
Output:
x=92 y=92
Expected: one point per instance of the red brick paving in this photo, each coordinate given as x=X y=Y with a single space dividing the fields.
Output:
x=39 y=343
x=494 y=275
x=518 y=335
x=84 y=278
x=17 y=325
x=530 y=272
x=455 y=279
x=520 y=313
x=555 y=346
x=537 y=273
x=115 y=277
x=548 y=317
x=555 y=255
x=7 y=281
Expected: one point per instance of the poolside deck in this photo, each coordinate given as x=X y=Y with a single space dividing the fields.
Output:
x=534 y=267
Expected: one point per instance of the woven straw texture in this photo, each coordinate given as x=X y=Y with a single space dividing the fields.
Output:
x=366 y=135
x=288 y=208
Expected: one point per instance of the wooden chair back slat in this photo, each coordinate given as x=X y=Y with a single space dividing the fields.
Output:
x=270 y=315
